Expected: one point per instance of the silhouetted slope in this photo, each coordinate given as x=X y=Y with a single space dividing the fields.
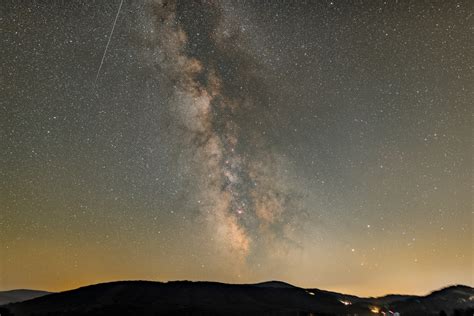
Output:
x=447 y=299
x=13 y=296
x=210 y=298
x=149 y=298
x=274 y=284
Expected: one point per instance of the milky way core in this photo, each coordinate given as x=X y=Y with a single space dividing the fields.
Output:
x=239 y=192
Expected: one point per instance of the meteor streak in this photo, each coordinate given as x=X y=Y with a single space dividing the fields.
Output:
x=108 y=41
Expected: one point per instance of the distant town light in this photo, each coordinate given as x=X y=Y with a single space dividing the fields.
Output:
x=374 y=309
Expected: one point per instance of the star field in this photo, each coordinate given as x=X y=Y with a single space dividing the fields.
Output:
x=323 y=143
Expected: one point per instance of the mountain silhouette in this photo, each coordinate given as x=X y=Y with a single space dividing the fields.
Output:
x=212 y=298
x=19 y=295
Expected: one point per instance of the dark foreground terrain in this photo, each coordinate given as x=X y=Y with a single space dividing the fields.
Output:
x=210 y=298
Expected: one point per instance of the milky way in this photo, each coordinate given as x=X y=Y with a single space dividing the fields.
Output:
x=240 y=196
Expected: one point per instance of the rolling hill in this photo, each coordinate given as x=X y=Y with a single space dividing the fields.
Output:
x=19 y=295
x=211 y=298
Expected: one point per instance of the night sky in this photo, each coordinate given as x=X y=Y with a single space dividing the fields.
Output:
x=323 y=143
